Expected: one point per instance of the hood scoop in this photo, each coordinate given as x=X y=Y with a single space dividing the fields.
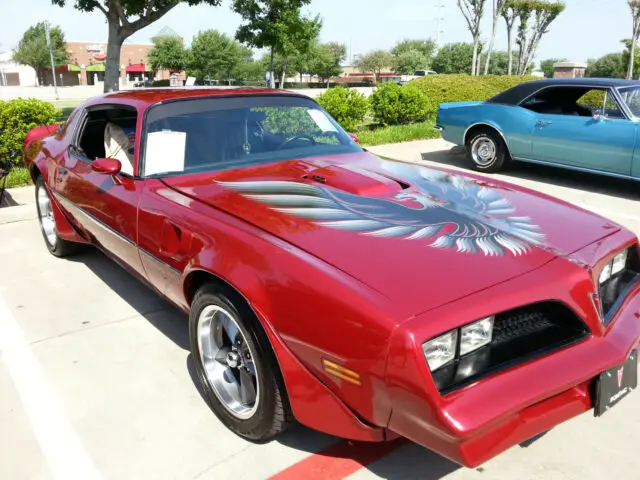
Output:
x=356 y=180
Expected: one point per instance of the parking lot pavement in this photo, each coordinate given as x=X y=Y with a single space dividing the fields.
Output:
x=96 y=379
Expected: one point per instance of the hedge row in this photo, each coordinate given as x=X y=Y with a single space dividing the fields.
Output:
x=462 y=88
x=17 y=117
x=391 y=104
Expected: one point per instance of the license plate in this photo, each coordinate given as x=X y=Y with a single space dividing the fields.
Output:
x=616 y=383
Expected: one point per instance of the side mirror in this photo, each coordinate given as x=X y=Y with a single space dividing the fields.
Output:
x=110 y=166
x=354 y=137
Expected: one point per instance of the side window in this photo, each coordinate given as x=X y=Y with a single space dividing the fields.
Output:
x=109 y=131
x=600 y=102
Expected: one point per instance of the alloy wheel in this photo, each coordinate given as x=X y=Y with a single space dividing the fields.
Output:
x=227 y=360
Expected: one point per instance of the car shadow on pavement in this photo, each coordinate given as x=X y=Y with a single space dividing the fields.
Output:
x=407 y=461
x=158 y=312
x=589 y=182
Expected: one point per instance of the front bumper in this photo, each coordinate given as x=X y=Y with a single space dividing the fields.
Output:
x=473 y=424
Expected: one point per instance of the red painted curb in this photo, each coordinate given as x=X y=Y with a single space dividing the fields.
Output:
x=339 y=460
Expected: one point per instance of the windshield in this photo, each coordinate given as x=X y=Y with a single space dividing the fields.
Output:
x=213 y=134
x=631 y=96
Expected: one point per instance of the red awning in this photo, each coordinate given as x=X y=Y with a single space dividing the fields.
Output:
x=136 y=68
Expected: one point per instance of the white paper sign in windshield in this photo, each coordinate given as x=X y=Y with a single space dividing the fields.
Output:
x=321 y=120
x=165 y=152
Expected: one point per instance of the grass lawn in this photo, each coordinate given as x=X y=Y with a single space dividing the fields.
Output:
x=66 y=107
x=397 y=133
x=18 y=177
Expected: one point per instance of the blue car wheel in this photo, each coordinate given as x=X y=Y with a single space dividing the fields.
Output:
x=486 y=150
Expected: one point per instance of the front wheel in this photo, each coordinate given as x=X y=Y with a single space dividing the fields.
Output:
x=236 y=367
x=56 y=245
x=486 y=151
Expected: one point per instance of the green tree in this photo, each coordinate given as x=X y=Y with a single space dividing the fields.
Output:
x=626 y=54
x=124 y=18
x=498 y=6
x=375 y=62
x=215 y=55
x=547 y=66
x=167 y=53
x=453 y=58
x=499 y=63
x=472 y=11
x=250 y=70
x=509 y=14
x=277 y=25
x=33 y=50
x=409 y=61
x=426 y=47
x=324 y=60
x=612 y=65
x=535 y=18
x=634 y=6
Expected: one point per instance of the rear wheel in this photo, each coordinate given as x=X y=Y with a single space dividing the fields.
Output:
x=486 y=151
x=236 y=367
x=56 y=245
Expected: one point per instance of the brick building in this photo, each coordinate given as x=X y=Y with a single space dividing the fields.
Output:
x=87 y=63
x=569 y=69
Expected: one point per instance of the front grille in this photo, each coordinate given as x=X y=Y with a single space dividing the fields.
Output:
x=518 y=336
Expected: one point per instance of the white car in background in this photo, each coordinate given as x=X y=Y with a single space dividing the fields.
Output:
x=404 y=79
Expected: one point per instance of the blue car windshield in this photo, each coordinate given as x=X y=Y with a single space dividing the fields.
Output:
x=210 y=134
x=631 y=96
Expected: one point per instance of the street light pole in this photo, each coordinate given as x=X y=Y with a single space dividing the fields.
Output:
x=53 y=67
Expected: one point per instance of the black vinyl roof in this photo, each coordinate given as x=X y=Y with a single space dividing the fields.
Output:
x=515 y=95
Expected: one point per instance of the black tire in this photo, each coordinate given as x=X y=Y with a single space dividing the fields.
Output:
x=486 y=151
x=59 y=247
x=273 y=412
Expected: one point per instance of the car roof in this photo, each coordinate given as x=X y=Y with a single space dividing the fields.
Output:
x=516 y=94
x=144 y=97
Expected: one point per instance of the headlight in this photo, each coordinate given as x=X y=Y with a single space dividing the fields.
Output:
x=619 y=262
x=615 y=266
x=476 y=335
x=605 y=274
x=441 y=350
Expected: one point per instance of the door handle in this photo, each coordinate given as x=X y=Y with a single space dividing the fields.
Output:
x=542 y=123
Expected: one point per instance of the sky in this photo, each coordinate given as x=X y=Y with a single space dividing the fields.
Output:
x=582 y=31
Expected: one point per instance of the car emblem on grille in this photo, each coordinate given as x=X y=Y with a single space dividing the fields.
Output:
x=620 y=373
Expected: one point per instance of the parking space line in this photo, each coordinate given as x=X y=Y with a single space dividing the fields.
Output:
x=339 y=460
x=65 y=455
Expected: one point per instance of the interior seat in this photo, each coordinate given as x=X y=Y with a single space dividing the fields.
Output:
x=119 y=144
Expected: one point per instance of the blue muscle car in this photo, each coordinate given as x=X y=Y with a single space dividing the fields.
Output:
x=587 y=124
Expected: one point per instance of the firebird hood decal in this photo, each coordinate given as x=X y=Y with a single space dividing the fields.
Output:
x=448 y=211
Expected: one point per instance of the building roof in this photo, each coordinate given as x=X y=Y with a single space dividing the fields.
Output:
x=515 y=95
x=166 y=32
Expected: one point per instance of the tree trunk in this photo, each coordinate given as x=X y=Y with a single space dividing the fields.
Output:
x=112 y=64
x=284 y=71
x=492 y=41
x=632 y=54
x=272 y=81
x=509 y=52
x=474 y=59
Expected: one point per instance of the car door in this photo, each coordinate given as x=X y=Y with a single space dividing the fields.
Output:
x=602 y=142
x=103 y=205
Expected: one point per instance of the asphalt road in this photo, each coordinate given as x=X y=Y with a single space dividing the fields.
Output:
x=96 y=379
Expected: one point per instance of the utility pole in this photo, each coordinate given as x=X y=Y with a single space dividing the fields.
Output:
x=439 y=23
x=53 y=66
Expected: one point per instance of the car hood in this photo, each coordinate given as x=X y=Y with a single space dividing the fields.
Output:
x=420 y=236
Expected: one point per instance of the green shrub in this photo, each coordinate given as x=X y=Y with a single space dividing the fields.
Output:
x=17 y=117
x=289 y=121
x=461 y=88
x=396 y=105
x=397 y=133
x=347 y=106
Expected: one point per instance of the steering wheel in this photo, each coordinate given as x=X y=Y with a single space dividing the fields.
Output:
x=299 y=136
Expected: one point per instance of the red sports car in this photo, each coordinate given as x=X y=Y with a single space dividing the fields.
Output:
x=364 y=297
